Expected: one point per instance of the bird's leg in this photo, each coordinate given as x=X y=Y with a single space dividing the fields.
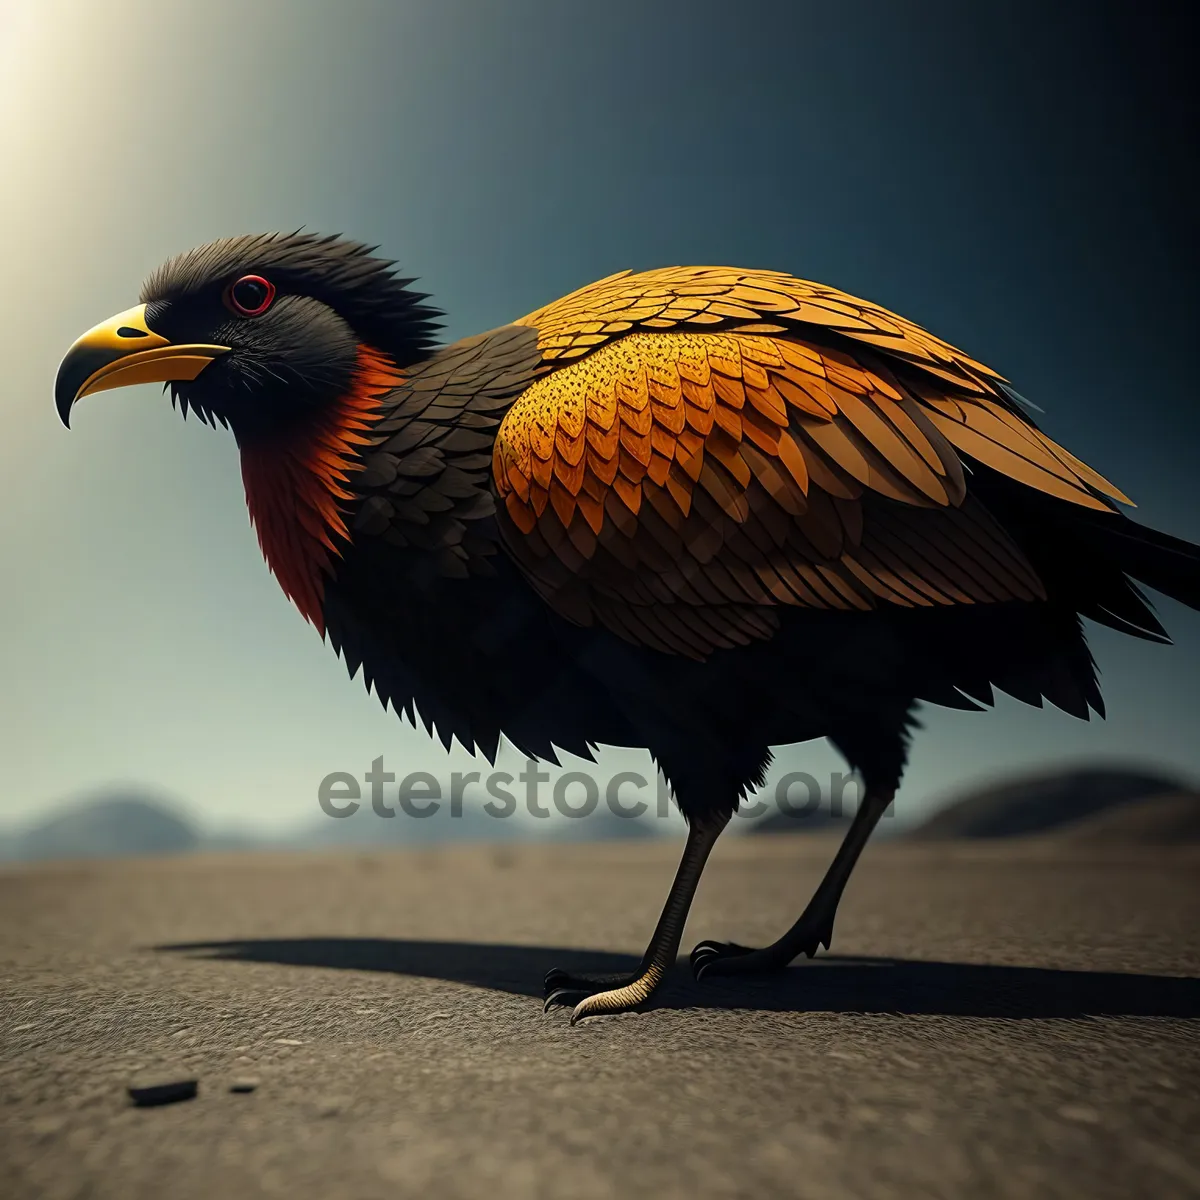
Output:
x=815 y=926
x=664 y=945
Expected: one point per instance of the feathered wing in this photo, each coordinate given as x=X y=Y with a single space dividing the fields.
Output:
x=705 y=445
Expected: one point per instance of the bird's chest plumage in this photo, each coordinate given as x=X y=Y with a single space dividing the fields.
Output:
x=296 y=486
x=421 y=595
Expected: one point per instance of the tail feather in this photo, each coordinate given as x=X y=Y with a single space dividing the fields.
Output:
x=1089 y=560
x=1162 y=562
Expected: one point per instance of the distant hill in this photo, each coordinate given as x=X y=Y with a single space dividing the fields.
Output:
x=103 y=826
x=1108 y=799
x=1171 y=819
x=127 y=822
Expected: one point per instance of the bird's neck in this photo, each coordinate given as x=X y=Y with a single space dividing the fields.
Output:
x=296 y=484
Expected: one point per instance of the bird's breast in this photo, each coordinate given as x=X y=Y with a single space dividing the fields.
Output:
x=296 y=485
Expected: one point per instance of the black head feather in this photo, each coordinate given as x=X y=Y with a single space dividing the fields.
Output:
x=332 y=295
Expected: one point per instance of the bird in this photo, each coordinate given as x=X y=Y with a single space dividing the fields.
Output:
x=706 y=512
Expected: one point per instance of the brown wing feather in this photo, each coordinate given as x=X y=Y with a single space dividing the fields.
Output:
x=676 y=297
x=621 y=511
x=684 y=467
x=948 y=380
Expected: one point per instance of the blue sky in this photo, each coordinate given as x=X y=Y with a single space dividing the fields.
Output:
x=1000 y=176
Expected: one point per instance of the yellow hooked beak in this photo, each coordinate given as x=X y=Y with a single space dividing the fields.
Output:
x=122 y=351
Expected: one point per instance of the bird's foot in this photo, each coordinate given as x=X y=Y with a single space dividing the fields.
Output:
x=561 y=987
x=595 y=994
x=728 y=958
x=806 y=937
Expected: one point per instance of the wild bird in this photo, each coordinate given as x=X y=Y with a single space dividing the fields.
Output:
x=700 y=510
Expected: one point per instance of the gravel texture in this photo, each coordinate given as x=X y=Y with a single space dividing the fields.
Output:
x=999 y=1020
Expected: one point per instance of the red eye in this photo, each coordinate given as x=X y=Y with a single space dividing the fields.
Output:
x=250 y=296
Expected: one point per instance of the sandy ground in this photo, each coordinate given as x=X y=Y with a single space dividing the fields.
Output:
x=1011 y=1020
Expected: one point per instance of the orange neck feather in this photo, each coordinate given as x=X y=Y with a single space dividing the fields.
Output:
x=294 y=485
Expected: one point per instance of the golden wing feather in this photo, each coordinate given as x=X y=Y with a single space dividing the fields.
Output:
x=675 y=296
x=679 y=483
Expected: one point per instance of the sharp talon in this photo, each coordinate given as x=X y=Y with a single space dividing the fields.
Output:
x=556 y=997
x=707 y=954
x=553 y=978
x=586 y=1009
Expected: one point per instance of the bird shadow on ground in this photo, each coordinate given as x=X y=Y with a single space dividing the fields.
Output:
x=830 y=984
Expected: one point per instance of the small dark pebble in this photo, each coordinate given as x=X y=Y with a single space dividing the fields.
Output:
x=243 y=1085
x=163 y=1093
